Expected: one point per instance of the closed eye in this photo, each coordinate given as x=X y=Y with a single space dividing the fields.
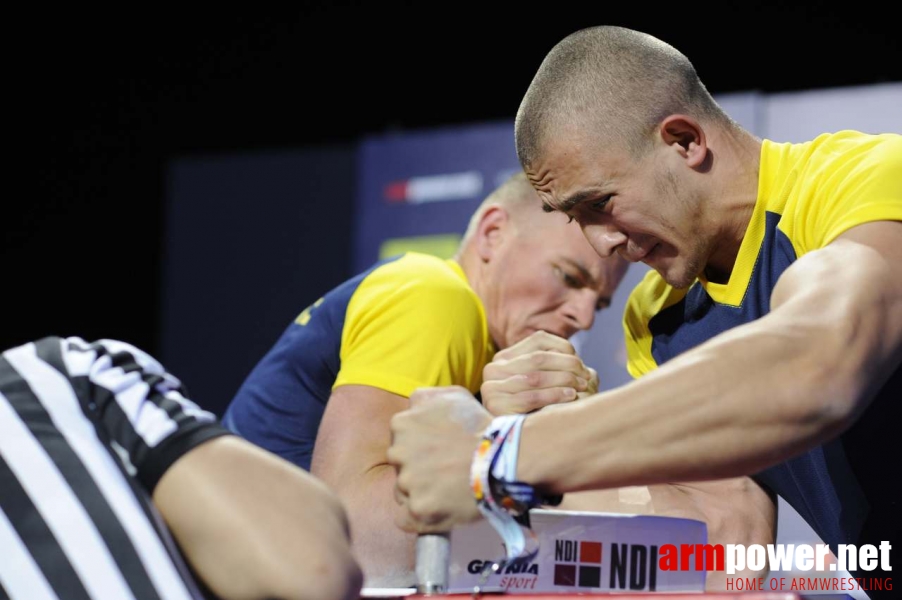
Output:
x=600 y=205
x=572 y=281
x=569 y=280
x=603 y=303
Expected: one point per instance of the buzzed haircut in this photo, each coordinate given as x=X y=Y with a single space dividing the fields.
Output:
x=613 y=83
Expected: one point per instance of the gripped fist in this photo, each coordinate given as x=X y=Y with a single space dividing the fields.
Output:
x=537 y=371
x=433 y=443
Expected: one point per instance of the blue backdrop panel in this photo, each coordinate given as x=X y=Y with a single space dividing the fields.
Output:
x=429 y=182
x=251 y=240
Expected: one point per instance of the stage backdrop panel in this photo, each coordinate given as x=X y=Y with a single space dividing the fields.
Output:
x=417 y=190
x=251 y=240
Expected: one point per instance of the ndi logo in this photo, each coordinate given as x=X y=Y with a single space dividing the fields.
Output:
x=632 y=566
x=577 y=563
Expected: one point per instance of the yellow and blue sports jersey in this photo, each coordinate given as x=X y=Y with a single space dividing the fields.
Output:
x=808 y=195
x=407 y=322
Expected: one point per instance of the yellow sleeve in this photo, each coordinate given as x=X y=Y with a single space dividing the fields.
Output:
x=413 y=323
x=645 y=301
x=857 y=187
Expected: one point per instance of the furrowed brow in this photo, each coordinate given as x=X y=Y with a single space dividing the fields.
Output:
x=567 y=204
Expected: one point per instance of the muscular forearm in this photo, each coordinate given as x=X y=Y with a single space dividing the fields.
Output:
x=733 y=406
x=386 y=553
x=255 y=526
x=750 y=397
x=350 y=456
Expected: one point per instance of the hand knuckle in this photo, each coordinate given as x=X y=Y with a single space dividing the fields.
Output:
x=537 y=399
x=492 y=371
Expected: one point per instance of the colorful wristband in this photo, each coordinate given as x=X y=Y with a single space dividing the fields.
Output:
x=502 y=500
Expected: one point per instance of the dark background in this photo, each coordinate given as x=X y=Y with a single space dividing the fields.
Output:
x=105 y=100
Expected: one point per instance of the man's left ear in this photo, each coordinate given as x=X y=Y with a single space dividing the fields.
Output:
x=490 y=231
x=685 y=135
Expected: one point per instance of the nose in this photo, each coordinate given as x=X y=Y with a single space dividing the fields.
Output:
x=579 y=310
x=605 y=238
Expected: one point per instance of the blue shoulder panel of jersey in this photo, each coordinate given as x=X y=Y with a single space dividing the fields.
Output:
x=824 y=472
x=281 y=403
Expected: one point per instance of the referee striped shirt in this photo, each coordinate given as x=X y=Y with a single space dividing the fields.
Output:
x=86 y=431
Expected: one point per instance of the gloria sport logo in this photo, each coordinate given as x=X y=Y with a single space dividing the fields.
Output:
x=517 y=575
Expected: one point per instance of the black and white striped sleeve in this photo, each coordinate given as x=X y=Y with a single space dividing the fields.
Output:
x=86 y=431
x=140 y=408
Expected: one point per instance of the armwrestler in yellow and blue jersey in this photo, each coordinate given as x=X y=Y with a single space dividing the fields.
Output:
x=324 y=396
x=809 y=194
x=407 y=322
